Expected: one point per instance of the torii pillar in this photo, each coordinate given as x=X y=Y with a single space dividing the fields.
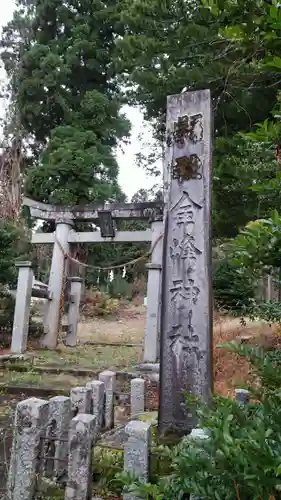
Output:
x=58 y=274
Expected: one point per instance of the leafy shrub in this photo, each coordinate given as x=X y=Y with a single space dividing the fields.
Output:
x=13 y=243
x=269 y=311
x=258 y=245
x=107 y=463
x=97 y=303
x=241 y=457
x=7 y=306
x=120 y=288
x=232 y=289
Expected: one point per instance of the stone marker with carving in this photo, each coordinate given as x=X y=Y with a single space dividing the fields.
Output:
x=186 y=322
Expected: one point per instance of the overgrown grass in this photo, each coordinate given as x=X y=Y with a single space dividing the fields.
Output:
x=91 y=357
x=15 y=377
x=60 y=381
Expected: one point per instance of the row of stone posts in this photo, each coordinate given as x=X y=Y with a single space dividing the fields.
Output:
x=55 y=438
x=73 y=424
x=73 y=455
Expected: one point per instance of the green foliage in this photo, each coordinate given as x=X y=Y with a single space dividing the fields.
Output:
x=233 y=290
x=242 y=170
x=269 y=311
x=7 y=305
x=13 y=243
x=107 y=463
x=254 y=251
x=218 y=45
x=261 y=29
x=176 y=44
x=120 y=288
x=259 y=245
x=59 y=60
x=52 y=493
x=240 y=459
x=10 y=244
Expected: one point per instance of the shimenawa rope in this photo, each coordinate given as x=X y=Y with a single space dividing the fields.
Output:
x=109 y=268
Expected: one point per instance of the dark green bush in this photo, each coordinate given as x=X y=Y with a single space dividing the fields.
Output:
x=232 y=290
x=120 y=288
x=13 y=244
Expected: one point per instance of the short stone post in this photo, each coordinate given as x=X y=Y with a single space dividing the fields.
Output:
x=109 y=379
x=197 y=434
x=81 y=438
x=152 y=329
x=73 y=312
x=29 y=427
x=137 y=396
x=22 y=308
x=269 y=287
x=56 y=282
x=81 y=400
x=242 y=396
x=97 y=389
x=58 y=427
x=137 y=451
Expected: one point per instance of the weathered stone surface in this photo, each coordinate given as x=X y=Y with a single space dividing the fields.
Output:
x=118 y=437
x=136 y=451
x=81 y=400
x=152 y=328
x=98 y=393
x=137 y=396
x=148 y=367
x=94 y=237
x=56 y=280
x=81 y=439
x=58 y=427
x=148 y=210
x=242 y=396
x=29 y=427
x=186 y=326
x=73 y=311
x=109 y=379
x=197 y=434
x=22 y=308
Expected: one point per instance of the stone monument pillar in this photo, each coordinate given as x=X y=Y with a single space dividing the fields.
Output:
x=56 y=282
x=186 y=322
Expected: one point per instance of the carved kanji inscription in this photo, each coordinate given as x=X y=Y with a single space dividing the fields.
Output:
x=183 y=296
x=187 y=127
x=184 y=214
x=186 y=168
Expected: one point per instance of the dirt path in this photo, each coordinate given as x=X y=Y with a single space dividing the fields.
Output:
x=127 y=328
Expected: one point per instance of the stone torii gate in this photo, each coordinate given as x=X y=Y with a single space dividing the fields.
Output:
x=65 y=236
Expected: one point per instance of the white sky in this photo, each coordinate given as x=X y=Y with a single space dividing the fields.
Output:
x=131 y=178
